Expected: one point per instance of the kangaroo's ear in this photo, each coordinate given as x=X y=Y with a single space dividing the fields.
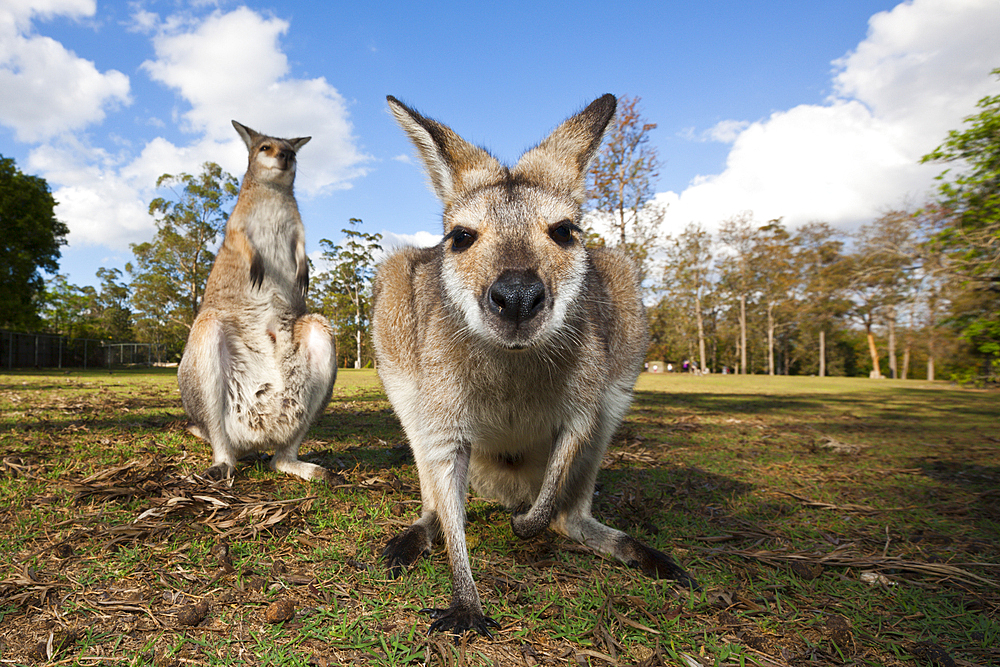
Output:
x=453 y=164
x=299 y=142
x=249 y=136
x=563 y=158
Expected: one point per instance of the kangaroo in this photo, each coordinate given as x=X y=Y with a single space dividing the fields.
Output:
x=257 y=369
x=509 y=351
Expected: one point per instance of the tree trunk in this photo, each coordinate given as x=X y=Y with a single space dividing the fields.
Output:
x=931 y=350
x=891 y=322
x=770 y=338
x=701 y=332
x=876 y=369
x=357 y=323
x=822 y=353
x=906 y=360
x=743 y=334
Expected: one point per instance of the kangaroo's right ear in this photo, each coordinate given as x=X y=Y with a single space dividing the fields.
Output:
x=249 y=136
x=563 y=158
x=453 y=164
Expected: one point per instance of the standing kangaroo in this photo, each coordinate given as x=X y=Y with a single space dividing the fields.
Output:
x=257 y=369
x=509 y=351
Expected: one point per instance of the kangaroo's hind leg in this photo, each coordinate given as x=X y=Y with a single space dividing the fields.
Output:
x=205 y=378
x=310 y=374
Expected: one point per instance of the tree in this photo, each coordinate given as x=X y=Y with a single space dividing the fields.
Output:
x=882 y=278
x=971 y=236
x=66 y=308
x=622 y=185
x=30 y=238
x=819 y=260
x=170 y=272
x=343 y=292
x=772 y=260
x=111 y=306
x=738 y=233
x=687 y=278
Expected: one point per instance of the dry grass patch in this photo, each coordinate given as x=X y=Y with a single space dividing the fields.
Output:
x=840 y=522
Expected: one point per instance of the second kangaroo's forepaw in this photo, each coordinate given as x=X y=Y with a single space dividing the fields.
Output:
x=405 y=549
x=458 y=619
x=652 y=562
x=525 y=524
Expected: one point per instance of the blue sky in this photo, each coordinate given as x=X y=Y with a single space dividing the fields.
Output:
x=806 y=110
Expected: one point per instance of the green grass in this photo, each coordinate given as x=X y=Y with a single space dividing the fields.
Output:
x=782 y=496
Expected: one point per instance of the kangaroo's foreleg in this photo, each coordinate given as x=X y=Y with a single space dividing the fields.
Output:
x=446 y=471
x=570 y=444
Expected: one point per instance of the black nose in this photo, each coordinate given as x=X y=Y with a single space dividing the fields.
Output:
x=517 y=297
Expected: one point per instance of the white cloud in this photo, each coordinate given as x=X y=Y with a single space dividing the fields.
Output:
x=725 y=132
x=391 y=240
x=101 y=206
x=916 y=75
x=224 y=66
x=47 y=89
x=230 y=66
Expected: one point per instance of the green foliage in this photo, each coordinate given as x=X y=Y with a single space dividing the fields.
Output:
x=971 y=235
x=30 y=237
x=85 y=312
x=622 y=184
x=343 y=292
x=169 y=274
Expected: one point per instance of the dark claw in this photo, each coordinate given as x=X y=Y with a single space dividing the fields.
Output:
x=457 y=621
x=657 y=564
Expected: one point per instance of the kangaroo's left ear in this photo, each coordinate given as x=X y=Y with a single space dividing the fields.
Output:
x=299 y=142
x=454 y=165
x=247 y=134
x=563 y=158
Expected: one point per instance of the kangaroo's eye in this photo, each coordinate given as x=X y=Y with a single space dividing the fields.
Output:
x=265 y=148
x=562 y=232
x=461 y=238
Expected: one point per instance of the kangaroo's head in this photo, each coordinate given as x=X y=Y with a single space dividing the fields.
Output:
x=513 y=256
x=271 y=160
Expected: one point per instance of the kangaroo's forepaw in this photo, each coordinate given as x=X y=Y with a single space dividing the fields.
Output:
x=403 y=550
x=526 y=524
x=458 y=619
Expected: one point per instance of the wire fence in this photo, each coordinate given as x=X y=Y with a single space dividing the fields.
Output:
x=33 y=350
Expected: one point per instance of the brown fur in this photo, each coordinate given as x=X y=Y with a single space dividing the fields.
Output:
x=257 y=369
x=509 y=351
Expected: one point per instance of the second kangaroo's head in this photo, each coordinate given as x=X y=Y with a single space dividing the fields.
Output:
x=271 y=160
x=513 y=255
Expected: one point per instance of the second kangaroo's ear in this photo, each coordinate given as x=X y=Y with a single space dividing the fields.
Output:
x=249 y=135
x=453 y=164
x=563 y=158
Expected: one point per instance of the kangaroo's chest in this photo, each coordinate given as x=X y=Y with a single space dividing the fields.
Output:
x=522 y=408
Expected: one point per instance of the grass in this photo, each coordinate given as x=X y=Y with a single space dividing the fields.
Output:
x=829 y=521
